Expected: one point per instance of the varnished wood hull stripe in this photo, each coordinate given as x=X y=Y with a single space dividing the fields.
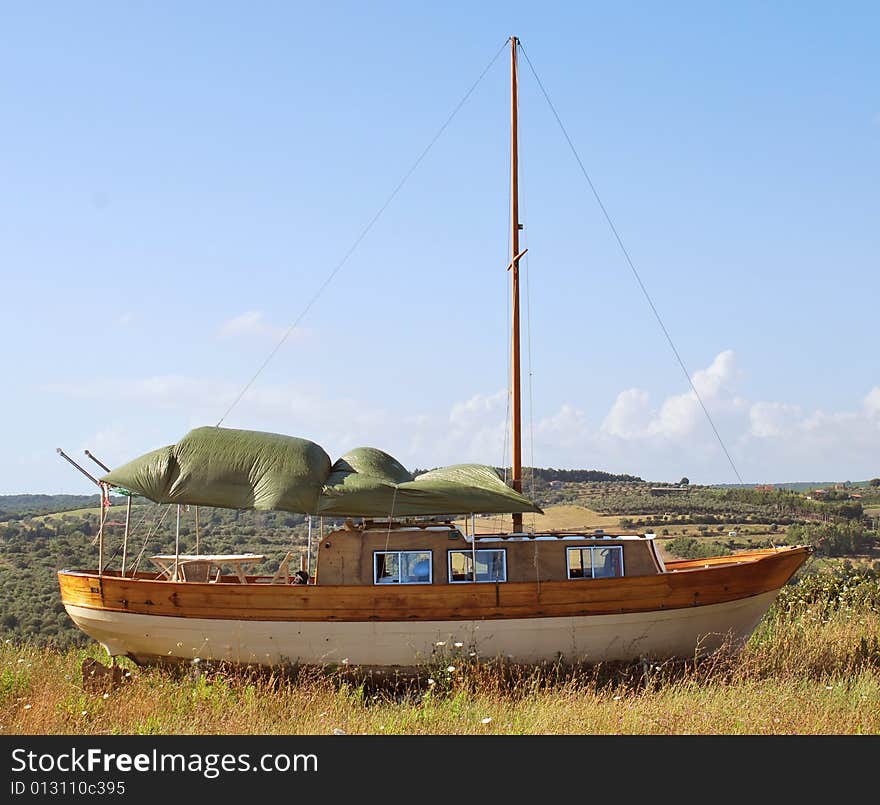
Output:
x=713 y=584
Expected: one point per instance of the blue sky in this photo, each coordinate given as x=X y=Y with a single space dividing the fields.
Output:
x=180 y=179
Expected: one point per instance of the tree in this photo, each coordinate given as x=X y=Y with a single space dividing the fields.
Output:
x=832 y=539
x=684 y=482
x=875 y=482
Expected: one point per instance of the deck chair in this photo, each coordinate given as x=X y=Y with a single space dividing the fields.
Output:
x=195 y=570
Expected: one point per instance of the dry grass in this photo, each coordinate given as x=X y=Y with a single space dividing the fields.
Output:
x=561 y=517
x=811 y=675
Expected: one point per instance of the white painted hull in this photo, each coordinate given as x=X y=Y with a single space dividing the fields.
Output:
x=590 y=638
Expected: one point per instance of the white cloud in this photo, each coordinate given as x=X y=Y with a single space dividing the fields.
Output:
x=337 y=423
x=769 y=440
x=566 y=423
x=476 y=410
x=872 y=403
x=712 y=381
x=631 y=415
x=251 y=323
x=772 y=419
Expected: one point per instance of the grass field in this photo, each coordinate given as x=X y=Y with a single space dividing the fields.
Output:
x=561 y=517
x=73 y=513
x=812 y=667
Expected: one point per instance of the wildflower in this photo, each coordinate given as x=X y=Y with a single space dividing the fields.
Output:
x=485 y=720
x=432 y=681
x=84 y=713
x=28 y=706
x=440 y=643
x=450 y=669
x=345 y=661
x=106 y=695
x=618 y=698
x=337 y=731
x=458 y=645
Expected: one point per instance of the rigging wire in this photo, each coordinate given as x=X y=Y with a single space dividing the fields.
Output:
x=391 y=515
x=364 y=232
x=526 y=273
x=631 y=265
x=131 y=532
x=507 y=443
x=508 y=329
x=151 y=532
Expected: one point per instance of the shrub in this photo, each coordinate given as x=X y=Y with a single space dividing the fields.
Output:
x=849 y=587
x=693 y=548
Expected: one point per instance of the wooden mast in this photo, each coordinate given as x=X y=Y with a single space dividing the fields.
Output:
x=516 y=469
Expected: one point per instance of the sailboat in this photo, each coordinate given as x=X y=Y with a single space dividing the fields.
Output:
x=401 y=578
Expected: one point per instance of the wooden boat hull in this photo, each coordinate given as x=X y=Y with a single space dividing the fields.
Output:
x=692 y=609
x=682 y=632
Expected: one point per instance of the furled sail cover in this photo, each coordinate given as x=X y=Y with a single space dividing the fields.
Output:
x=241 y=469
x=234 y=469
x=367 y=482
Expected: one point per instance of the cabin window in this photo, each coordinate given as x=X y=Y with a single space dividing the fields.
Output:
x=595 y=562
x=491 y=565
x=402 y=567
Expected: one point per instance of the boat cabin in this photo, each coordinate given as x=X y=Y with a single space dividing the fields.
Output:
x=376 y=553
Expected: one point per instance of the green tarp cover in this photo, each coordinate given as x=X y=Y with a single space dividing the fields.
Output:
x=242 y=469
